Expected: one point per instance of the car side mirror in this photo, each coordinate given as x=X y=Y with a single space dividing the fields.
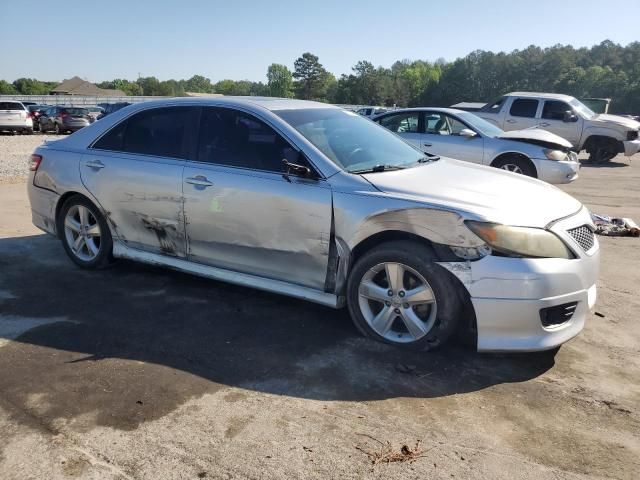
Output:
x=569 y=117
x=468 y=133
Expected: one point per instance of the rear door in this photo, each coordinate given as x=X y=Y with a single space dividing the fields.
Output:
x=134 y=172
x=523 y=113
x=405 y=124
x=442 y=137
x=552 y=119
x=243 y=214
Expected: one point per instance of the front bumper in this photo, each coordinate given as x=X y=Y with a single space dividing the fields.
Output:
x=631 y=147
x=552 y=171
x=508 y=293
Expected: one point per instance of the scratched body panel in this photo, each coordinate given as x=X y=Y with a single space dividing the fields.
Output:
x=259 y=223
x=141 y=198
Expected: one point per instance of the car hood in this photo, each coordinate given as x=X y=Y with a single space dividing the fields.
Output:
x=537 y=136
x=618 y=120
x=479 y=191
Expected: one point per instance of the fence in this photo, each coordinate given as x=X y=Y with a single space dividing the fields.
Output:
x=74 y=100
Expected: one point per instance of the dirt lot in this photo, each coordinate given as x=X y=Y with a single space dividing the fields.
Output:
x=142 y=373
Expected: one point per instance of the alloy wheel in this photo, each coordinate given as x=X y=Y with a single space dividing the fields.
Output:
x=82 y=233
x=512 y=168
x=397 y=302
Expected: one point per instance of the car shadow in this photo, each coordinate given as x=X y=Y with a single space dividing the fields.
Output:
x=609 y=164
x=132 y=343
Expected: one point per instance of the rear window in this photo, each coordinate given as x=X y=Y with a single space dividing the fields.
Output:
x=524 y=107
x=11 y=106
x=76 y=111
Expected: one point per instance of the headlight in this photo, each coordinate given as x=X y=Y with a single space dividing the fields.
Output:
x=557 y=155
x=520 y=241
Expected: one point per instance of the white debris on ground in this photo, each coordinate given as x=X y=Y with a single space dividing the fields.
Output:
x=15 y=152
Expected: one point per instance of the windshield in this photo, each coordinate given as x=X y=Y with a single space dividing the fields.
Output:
x=582 y=109
x=351 y=141
x=76 y=111
x=480 y=124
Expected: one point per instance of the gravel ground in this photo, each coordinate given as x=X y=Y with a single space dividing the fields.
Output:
x=15 y=151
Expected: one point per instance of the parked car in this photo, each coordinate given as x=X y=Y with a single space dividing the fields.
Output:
x=36 y=111
x=95 y=111
x=370 y=111
x=464 y=136
x=109 y=108
x=64 y=119
x=309 y=200
x=14 y=117
x=27 y=104
x=602 y=136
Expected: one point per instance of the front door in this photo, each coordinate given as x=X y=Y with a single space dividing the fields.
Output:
x=553 y=120
x=242 y=214
x=405 y=124
x=442 y=137
x=135 y=174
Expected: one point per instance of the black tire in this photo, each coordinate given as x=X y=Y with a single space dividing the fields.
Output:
x=421 y=259
x=104 y=256
x=603 y=150
x=526 y=167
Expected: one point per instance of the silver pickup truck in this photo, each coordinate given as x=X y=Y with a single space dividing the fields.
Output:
x=602 y=136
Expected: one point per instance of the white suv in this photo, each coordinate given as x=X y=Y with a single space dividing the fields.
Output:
x=15 y=117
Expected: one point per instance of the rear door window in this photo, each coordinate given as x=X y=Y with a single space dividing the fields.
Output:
x=401 y=122
x=524 y=107
x=162 y=132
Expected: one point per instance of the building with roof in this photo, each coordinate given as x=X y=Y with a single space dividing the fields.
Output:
x=78 y=86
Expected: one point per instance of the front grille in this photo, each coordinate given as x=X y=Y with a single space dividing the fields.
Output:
x=553 y=316
x=632 y=134
x=584 y=236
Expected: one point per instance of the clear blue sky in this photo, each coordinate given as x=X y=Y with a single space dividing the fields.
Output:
x=238 y=39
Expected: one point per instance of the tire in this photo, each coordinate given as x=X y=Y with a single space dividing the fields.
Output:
x=394 y=322
x=516 y=164
x=87 y=246
x=603 y=150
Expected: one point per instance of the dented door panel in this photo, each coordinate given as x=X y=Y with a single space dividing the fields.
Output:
x=257 y=222
x=141 y=197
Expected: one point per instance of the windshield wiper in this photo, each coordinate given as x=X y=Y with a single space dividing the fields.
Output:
x=378 y=168
x=429 y=157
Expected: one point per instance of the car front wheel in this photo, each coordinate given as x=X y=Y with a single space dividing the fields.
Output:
x=397 y=294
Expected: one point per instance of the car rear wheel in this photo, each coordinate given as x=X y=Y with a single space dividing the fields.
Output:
x=84 y=233
x=516 y=165
x=397 y=294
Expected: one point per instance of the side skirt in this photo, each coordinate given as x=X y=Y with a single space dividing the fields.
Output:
x=243 y=279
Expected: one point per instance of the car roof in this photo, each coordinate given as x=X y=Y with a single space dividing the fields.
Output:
x=269 y=103
x=452 y=111
x=554 y=96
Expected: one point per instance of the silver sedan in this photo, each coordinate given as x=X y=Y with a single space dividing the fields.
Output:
x=315 y=202
x=465 y=136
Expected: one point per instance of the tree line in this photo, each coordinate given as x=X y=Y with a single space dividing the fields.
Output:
x=604 y=70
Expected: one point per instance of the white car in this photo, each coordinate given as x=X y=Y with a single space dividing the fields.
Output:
x=602 y=136
x=15 y=117
x=370 y=112
x=464 y=136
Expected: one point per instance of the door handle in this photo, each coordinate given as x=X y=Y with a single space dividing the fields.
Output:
x=97 y=164
x=199 y=180
x=425 y=144
x=511 y=121
x=545 y=124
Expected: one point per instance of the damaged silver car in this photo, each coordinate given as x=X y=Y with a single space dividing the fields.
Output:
x=312 y=201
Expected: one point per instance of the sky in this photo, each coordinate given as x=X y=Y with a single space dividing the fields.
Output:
x=239 y=39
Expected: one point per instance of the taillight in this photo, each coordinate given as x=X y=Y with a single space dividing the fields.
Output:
x=28 y=114
x=34 y=163
x=63 y=114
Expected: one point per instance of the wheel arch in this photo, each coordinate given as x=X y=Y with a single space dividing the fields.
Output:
x=519 y=155
x=62 y=200
x=594 y=138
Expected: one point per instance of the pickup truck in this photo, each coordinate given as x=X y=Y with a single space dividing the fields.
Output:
x=602 y=136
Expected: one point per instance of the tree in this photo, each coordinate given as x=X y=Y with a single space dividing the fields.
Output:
x=6 y=88
x=279 y=81
x=31 y=86
x=198 y=84
x=312 y=78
